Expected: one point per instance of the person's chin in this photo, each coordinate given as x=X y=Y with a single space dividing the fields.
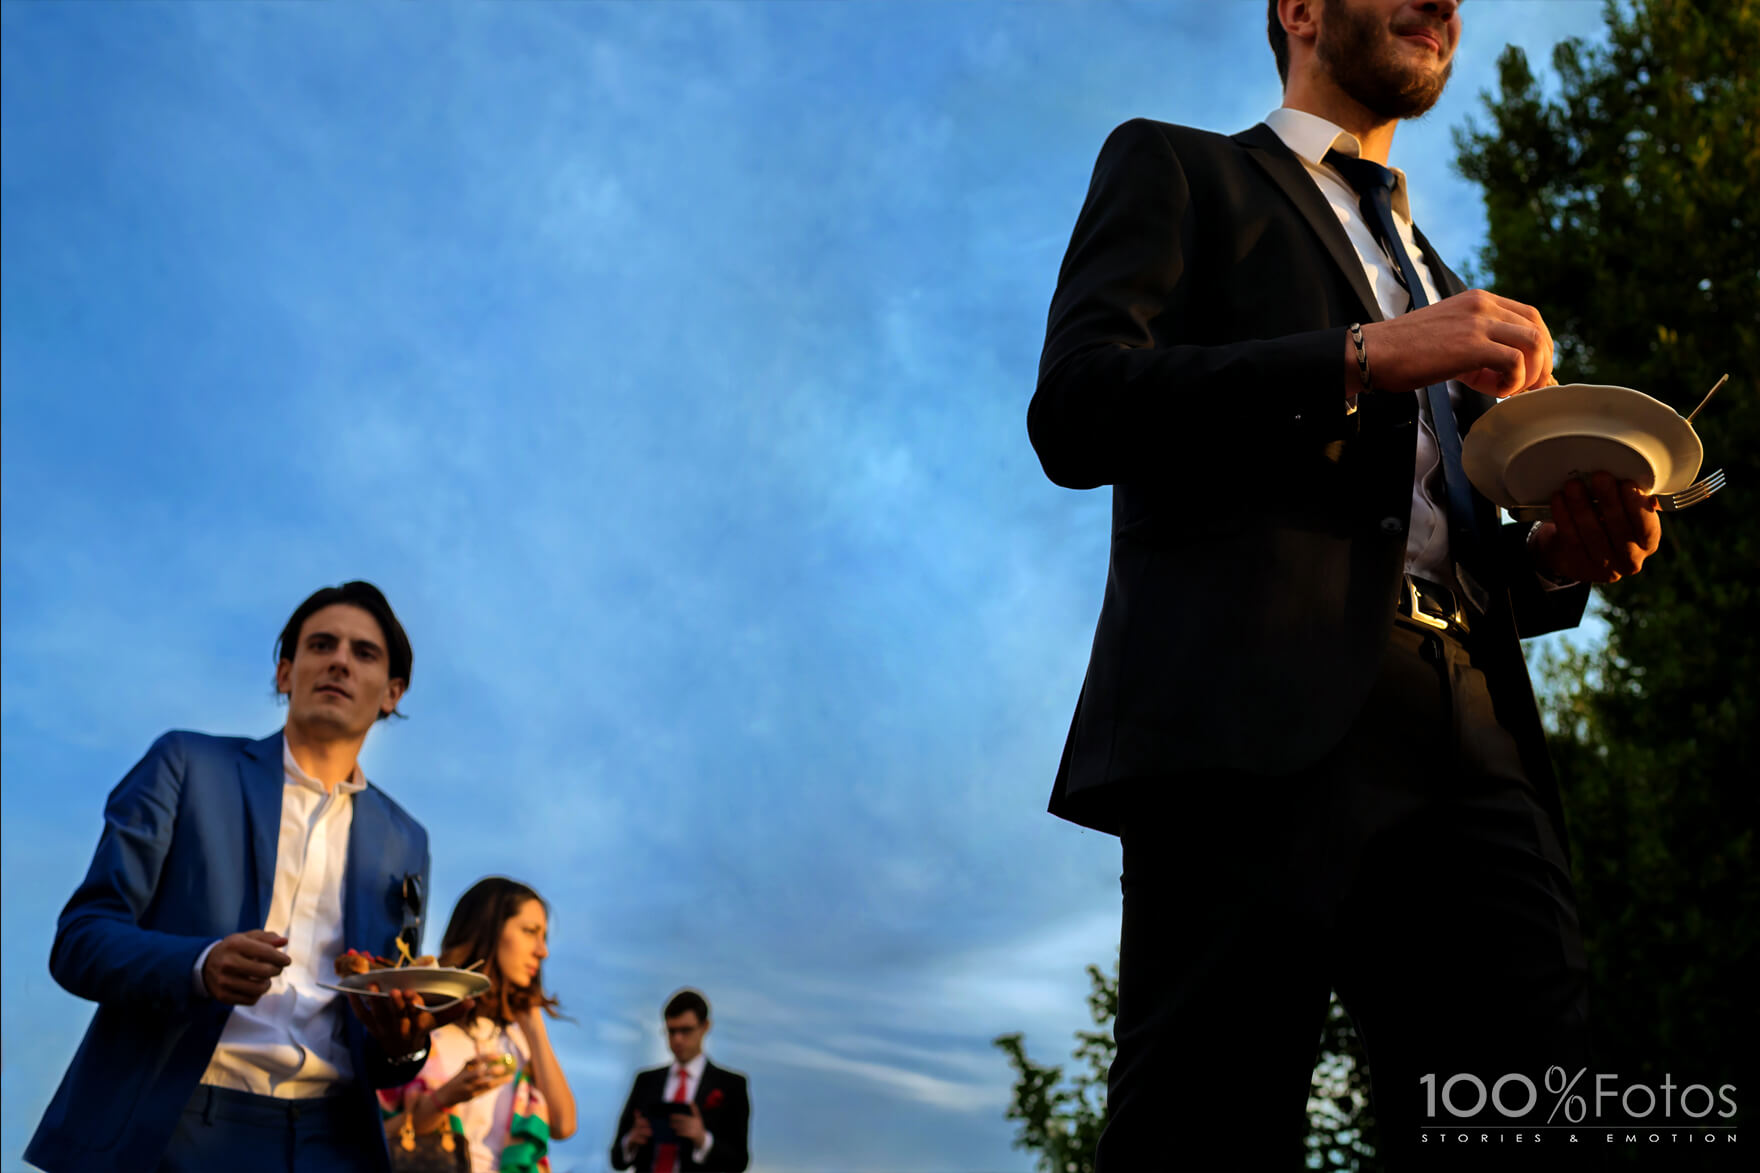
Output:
x=338 y=719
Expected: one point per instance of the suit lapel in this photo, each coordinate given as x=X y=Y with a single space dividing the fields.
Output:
x=369 y=830
x=1445 y=276
x=262 y=778
x=364 y=833
x=1288 y=172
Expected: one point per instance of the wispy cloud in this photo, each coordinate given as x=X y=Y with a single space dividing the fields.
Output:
x=668 y=367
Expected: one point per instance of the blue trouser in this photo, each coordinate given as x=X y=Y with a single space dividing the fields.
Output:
x=226 y=1131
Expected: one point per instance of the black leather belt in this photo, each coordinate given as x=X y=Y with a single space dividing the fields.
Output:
x=1430 y=604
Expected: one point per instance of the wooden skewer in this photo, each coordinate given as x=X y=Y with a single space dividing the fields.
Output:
x=1707 y=398
x=474 y=964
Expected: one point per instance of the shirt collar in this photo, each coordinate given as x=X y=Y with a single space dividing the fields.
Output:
x=694 y=1068
x=1311 y=136
x=353 y=784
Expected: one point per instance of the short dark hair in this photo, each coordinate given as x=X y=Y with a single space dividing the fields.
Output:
x=368 y=598
x=686 y=1001
x=1274 y=31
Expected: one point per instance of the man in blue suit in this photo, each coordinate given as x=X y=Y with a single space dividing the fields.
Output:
x=229 y=876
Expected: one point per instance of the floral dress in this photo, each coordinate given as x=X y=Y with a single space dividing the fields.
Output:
x=507 y=1128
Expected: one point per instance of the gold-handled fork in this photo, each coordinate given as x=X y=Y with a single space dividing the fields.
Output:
x=1694 y=494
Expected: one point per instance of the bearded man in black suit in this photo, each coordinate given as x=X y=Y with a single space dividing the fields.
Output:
x=689 y=1116
x=1306 y=713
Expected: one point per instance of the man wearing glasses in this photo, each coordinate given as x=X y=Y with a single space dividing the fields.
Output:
x=690 y=1116
x=229 y=876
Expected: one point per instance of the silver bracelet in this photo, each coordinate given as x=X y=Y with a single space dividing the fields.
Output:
x=1362 y=355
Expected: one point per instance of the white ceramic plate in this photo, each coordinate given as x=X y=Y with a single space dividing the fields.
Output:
x=1526 y=447
x=430 y=981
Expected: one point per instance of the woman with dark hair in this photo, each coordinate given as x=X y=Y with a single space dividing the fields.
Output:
x=492 y=1080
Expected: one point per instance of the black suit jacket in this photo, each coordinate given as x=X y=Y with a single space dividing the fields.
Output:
x=725 y=1105
x=1195 y=360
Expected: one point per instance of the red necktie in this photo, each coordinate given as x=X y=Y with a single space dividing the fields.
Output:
x=666 y=1155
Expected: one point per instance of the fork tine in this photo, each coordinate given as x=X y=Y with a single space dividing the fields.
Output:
x=1712 y=478
x=1685 y=500
x=1682 y=499
x=1702 y=488
x=1699 y=500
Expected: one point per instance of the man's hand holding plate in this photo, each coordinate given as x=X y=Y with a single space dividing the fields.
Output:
x=400 y=1022
x=1599 y=532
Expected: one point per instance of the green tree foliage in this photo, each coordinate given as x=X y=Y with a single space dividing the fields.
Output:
x=1341 y=1119
x=1061 y=1120
x=1627 y=208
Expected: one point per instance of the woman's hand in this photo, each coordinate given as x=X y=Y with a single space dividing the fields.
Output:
x=477 y=1076
x=530 y=1019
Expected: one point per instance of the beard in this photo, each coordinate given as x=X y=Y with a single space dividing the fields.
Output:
x=1360 y=54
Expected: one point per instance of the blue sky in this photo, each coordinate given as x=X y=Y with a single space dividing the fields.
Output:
x=667 y=365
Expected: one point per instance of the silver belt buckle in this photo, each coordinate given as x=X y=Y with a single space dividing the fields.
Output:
x=1418 y=613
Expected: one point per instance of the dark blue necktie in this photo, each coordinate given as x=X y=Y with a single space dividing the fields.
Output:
x=1374 y=184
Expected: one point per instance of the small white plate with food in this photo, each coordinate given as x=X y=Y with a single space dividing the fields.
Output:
x=357 y=971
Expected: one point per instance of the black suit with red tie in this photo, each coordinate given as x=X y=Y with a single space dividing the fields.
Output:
x=725 y=1105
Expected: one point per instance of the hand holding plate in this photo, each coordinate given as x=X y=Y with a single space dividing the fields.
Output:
x=400 y=1022
x=1600 y=532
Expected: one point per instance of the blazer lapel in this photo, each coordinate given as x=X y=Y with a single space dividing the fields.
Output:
x=703 y=1084
x=1445 y=276
x=1288 y=172
x=368 y=839
x=262 y=777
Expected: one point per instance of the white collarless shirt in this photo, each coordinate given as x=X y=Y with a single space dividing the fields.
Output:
x=1310 y=137
x=290 y=1043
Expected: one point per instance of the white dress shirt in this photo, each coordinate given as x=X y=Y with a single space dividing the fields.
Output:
x=290 y=1043
x=1310 y=137
x=693 y=1079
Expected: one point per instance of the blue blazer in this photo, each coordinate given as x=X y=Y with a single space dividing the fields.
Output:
x=187 y=857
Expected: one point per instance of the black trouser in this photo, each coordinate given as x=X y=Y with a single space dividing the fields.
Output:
x=1414 y=871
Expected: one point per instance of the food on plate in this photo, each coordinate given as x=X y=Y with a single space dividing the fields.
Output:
x=356 y=961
